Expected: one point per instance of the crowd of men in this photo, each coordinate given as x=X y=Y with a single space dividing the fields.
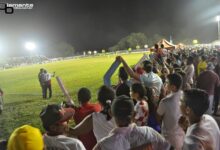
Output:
x=167 y=103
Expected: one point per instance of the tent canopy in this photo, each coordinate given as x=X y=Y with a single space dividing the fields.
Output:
x=180 y=46
x=166 y=44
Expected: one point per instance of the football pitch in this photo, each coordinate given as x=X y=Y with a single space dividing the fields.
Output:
x=22 y=92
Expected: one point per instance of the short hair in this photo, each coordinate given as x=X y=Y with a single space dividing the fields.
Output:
x=123 y=74
x=203 y=57
x=139 y=88
x=145 y=63
x=190 y=60
x=162 y=46
x=197 y=100
x=175 y=79
x=148 y=68
x=156 y=46
x=122 y=109
x=84 y=95
x=123 y=89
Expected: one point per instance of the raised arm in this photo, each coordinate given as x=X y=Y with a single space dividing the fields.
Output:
x=128 y=69
x=110 y=72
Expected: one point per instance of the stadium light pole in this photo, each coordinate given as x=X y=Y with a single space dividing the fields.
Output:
x=218 y=20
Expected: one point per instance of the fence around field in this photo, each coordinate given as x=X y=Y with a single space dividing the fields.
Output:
x=25 y=61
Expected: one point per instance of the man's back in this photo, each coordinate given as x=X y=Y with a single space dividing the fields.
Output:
x=152 y=80
x=207 y=81
x=85 y=110
x=131 y=137
x=62 y=142
x=88 y=139
x=170 y=110
x=204 y=135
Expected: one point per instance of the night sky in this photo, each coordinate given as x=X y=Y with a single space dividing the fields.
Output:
x=97 y=24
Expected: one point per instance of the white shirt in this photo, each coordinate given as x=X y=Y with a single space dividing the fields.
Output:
x=62 y=142
x=48 y=76
x=141 y=112
x=101 y=127
x=124 y=138
x=153 y=81
x=204 y=135
x=189 y=70
x=169 y=108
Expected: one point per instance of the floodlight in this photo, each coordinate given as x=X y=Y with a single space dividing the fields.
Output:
x=145 y=46
x=218 y=18
x=30 y=46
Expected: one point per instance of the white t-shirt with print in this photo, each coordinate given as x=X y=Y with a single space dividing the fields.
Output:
x=204 y=135
x=124 y=138
x=101 y=126
x=62 y=142
x=169 y=108
x=141 y=112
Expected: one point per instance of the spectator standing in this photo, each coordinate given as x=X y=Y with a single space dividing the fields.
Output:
x=203 y=132
x=47 y=83
x=189 y=71
x=148 y=79
x=41 y=79
x=127 y=135
x=141 y=110
x=217 y=93
x=202 y=65
x=168 y=113
x=101 y=123
x=123 y=86
x=208 y=80
x=86 y=108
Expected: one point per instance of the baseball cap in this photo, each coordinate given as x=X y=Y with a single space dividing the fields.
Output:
x=53 y=114
x=26 y=137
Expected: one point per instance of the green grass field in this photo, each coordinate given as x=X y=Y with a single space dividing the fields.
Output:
x=22 y=92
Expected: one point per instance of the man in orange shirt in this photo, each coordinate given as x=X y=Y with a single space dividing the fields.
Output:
x=86 y=108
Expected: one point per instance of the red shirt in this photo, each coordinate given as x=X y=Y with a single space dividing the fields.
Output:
x=88 y=139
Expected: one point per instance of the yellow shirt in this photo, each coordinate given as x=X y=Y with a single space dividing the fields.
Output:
x=201 y=66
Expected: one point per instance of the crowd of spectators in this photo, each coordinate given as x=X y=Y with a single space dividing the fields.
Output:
x=165 y=103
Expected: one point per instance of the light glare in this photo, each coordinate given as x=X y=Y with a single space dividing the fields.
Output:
x=30 y=46
x=218 y=18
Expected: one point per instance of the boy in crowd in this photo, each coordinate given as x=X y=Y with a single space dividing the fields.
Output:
x=149 y=78
x=127 y=135
x=168 y=113
x=86 y=108
x=203 y=132
x=55 y=121
x=141 y=109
